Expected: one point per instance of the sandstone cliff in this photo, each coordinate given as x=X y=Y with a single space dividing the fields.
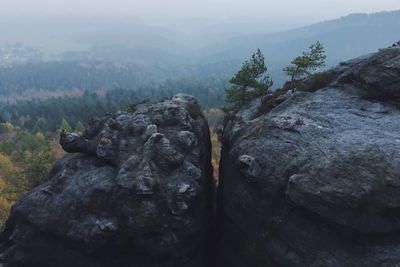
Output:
x=312 y=178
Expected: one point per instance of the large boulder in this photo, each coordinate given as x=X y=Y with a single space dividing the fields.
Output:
x=135 y=190
x=315 y=181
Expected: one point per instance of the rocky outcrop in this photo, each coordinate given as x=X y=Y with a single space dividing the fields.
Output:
x=134 y=190
x=308 y=178
x=315 y=181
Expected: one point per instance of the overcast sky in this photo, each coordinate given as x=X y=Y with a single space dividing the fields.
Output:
x=289 y=11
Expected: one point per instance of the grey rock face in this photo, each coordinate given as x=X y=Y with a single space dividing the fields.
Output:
x=316 y=181
x=137 y=192
x=377 y=75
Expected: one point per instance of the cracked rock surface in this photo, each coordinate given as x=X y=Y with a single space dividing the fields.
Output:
x=316 y=181
x=134 y=190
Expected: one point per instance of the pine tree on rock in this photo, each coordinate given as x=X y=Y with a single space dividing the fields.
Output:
x=305 y=65
x=65 y=127
x=250 y=82
x=79 y=127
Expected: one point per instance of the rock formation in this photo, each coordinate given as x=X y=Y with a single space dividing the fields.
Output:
x=308 y=178
x=314 y=179
x=134 y=190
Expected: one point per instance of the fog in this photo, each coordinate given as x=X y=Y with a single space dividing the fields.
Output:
x=191 y=14
x=181 y=38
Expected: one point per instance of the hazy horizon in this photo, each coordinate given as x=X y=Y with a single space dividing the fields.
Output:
x=191 y=15
x=191 y=38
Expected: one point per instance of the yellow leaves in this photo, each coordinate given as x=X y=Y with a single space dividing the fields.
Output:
x=6 y=166
x=215 y=165
x=8 y=127
x=7 y=196
x=3 y=185
x=8 y=176
x=5 y=207
x=215 y=153
x=25 y=159
x=40 y=137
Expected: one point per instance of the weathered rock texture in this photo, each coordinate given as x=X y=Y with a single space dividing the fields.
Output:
x=316 y=180
x=136 y=192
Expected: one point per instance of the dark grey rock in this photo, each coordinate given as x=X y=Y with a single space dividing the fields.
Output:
x=377 y=75
x=137 y=192
x=316 y=181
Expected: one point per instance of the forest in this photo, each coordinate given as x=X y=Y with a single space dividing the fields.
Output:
x=25 y=160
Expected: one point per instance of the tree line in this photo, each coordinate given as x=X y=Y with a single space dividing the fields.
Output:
x=48 y=114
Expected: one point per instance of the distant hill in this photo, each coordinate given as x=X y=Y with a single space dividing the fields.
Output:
x=344 y=38
x=132 y=56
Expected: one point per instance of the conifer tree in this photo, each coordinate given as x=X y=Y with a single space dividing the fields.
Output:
x=250 y=82
x=304 y=65
x=79 y=128
x=65 y=126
